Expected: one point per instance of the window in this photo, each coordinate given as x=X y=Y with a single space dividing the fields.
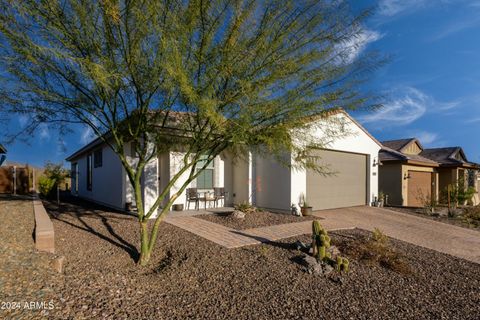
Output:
x=97 y=158
x=89 y=172
x=205 y=177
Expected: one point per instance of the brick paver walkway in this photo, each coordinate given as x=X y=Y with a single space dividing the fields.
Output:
x=442 y=237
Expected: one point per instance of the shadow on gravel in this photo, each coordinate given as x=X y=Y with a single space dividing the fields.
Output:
x=281 y=245
x=81 y=210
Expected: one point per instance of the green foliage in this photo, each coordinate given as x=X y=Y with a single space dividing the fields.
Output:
x=459 y=193
x=320 y=242
x=203 y=77
x=342 y=264
x=46 y=186
x=245 y=207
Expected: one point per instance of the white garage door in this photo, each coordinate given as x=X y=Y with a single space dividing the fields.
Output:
x=346 y=186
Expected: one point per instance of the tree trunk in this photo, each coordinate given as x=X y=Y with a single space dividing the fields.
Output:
x=145 y=250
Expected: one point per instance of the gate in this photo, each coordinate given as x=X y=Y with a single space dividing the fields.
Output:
x=14 y=180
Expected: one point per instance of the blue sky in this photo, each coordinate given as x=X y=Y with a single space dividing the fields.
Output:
x=431 y=85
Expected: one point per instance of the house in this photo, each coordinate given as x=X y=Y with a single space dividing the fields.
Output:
x=411 y=175
x=454 y=168
x=352 y=160
x=405 y=176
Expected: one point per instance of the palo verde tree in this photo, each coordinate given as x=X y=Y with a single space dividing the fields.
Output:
x=201 y=77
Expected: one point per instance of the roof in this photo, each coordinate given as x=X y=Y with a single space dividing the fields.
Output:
x=401 y=144
x=448 y=156
x=389 y=154
x=2 y=149
x=177 y=117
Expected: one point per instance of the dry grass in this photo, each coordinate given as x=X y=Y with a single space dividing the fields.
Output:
x=376 y=249
x=471 y=216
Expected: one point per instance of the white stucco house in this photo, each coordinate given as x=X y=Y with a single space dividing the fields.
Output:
x=352 y=161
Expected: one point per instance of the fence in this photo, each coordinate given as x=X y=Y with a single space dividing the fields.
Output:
x=14 y=180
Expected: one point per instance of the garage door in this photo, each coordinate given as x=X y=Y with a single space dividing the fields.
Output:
x=345 y=187
x=419 y=188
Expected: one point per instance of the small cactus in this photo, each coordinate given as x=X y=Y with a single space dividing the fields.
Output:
x=320 y=242
x=342 y=264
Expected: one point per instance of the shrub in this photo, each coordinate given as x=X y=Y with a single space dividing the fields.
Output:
x=471 y=216
x=245 y=207
x=46 y=186
x=377 y=249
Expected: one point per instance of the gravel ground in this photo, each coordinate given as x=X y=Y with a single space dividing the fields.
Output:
x=445 y=219
x=25 y=275
x=190 y=277
x=254 y=220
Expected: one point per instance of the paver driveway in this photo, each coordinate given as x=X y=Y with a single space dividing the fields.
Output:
x=442 y=237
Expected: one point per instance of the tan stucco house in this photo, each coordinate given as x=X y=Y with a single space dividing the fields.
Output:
x=411 y=175
x=406 y=177
x=453 y=168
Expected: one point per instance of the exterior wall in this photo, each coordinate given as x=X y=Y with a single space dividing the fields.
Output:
x=405 y=169
x=413 y=148
x=242 y=177
x=446 y=176
x=272 y=183
x=390 y=182
x=356 y=141
x=107 y=180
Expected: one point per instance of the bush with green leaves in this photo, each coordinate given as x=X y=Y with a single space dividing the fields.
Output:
x=46 y=186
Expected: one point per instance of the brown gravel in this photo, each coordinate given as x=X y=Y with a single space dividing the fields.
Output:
x=419 y=212
x=25 y=275
x=254 y=220
x=190 y=277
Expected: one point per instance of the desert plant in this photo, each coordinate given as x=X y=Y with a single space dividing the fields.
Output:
x=471 y=216
x=342 y=264
x=428 y=201
x=245 y=207
x=377 y=249
x=320 y=242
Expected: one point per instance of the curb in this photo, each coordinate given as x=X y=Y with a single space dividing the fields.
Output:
x=44 y=233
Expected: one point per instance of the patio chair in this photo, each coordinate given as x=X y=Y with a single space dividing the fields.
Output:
x=193 y=196
x=219 y=194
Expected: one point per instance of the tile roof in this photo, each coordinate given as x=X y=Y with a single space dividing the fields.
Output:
x=398 y=144
x=389 y=154
x=447 y=156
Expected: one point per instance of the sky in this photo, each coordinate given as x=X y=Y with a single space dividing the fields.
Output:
x=431 y=85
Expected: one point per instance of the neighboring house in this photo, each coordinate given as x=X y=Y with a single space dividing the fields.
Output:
x=454 y=168
x=405 y=176
x=412 y=176
x=98 y=175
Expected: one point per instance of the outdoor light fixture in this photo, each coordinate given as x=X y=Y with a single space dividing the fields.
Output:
x=406 y=176
x=376 y=162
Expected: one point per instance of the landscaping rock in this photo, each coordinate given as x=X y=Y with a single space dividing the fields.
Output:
x=299 y=245
x=58 y=263
x=238 y=214
x=334 y=251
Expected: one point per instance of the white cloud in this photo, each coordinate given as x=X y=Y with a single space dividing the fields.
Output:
x=455 y=27
x=44 y=133
x=393 y=7
x=87 y=135
x=351 y=49
x=22 y=120
x=426 y=138
x=407 y=107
